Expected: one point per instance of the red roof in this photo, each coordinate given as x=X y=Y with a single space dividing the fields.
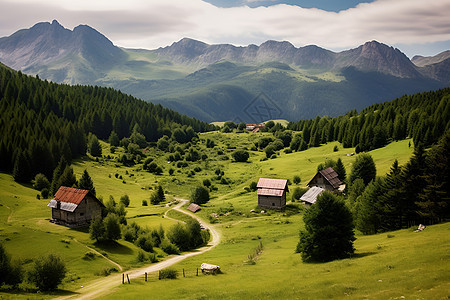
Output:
x=70 y=195
x=279 y=184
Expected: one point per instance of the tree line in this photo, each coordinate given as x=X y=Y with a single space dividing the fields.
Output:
x=43 y=121
x=423 y=116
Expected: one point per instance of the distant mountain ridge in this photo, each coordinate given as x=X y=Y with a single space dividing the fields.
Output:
x=216 y=82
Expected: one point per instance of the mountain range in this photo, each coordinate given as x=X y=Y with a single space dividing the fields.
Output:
x=225 y=82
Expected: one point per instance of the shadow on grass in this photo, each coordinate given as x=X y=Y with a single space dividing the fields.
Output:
x=14 y=292
x=362 y=254
x=113 y=247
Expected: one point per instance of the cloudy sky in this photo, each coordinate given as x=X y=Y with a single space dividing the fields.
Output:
x=414 y=26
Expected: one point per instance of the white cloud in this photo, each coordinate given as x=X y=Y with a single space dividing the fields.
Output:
x=154 y=23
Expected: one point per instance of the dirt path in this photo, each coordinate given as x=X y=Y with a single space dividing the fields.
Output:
x=104 y=286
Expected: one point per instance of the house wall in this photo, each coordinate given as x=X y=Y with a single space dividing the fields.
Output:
x=272 y=202
x=87 y=210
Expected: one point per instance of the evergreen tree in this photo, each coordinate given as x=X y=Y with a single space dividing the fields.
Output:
x=328 y=233
x=94 y=146
x=113 y=139
x=57 y=173
x=86 y=183
x=340 y=170
x=67 y=178
x=434 y=201
x=364 y=168
x=22 y=168
x=368 y=211
x=200 y=195
x=112 y=227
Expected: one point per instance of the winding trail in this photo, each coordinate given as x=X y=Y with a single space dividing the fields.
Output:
x=104 y=286
x=99 y=254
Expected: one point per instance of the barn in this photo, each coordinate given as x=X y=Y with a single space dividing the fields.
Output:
x=75 y=207
x=327 y=179
x=272 y=193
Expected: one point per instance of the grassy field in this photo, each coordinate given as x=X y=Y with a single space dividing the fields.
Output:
x=26 y=232
x=397 y=265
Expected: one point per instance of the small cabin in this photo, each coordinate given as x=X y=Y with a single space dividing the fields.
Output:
x=327 y=179
x=324 y=180
x=272 y=193
x=194 y=207
x=75 y=207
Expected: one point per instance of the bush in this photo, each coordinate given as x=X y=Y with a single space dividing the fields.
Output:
x=10 y=273
x=298 y=192
x=41 y=182
x=45 y=193
x=47 y=272
x=240 y=156
x=200 y=195
x=168 y=274
x=296 y=179
x=253 y=186
x=125 y=200
x=207 y=183
x=145 y=243
x=168 y=247
x=144 y=203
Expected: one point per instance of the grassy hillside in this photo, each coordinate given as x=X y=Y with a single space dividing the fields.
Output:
x=398 y=265
x=26 y=232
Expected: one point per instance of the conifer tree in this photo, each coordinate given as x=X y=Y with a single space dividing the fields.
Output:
x=86 y=182
x=340 y=170
x=328 y=233
x=22 y=168
x=57 y=173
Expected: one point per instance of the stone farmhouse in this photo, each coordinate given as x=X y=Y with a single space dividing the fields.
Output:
x=272 y=193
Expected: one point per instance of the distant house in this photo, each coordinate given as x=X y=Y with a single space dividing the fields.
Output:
x=327 y=179
x=272 y=193
x=254 y=127
x=74 y=207
x=194 y=207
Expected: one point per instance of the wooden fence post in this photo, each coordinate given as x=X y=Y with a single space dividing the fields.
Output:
x=197 y=271
x=123 y=278
x=183 y=273
x=159 y=276
x=145 y=276
x=128 y=278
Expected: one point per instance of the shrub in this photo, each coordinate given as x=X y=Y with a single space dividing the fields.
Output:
x=145 y=243
x=168 y=274
x=336 y=148
x=10 y=273
x=125 y=200
x=45 y=193
x=240 y=156
x=144 y=203
x=207 y=183
x=298 y=192
x=200 y=195
x=168 y=247
x=47 y=272
x=296 y=179
x=253 y=186
x=41 y=182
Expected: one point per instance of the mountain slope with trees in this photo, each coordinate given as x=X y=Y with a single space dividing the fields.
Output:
x=41 y=122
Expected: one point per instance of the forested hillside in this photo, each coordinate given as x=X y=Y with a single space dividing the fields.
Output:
x=42 y=121
x=424 y=117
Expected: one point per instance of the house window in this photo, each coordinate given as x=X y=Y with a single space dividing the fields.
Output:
x=81 y=214
x=273 y=204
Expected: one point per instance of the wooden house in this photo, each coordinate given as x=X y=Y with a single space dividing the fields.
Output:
x=327 y=179
x=75 y=207
x=272 y=193
x=324 y=180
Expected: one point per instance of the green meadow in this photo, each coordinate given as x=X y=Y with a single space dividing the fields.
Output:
x=392 y=265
